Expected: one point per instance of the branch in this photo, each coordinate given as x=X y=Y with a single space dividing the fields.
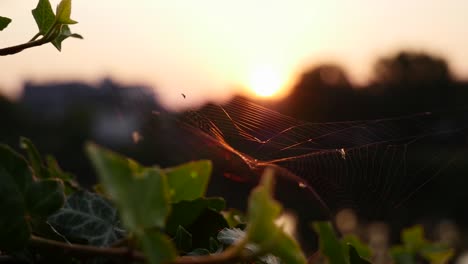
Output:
x=231 y=255
x=33 y=43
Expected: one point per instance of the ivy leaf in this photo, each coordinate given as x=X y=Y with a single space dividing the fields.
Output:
x=263 y=210
x=362 y=249
x=184 y=213
x=157 y=247
x=23 y=199
x=65 y=33
x=56 y=172
x=402 y=255
x=199 y=252
x=4 y=22
x=183 y=239
x=437 y=254
x=413 y=238
x=329 y=244
x=64 y=12
x=90 y=217
x=189 y=181
x=15 y=177
x=44 y=16
x=234 y=217
x=206 y=226
x=45 y=197
x=51 y=170
x=354 y=257
x=34 y=158
x=141 y=194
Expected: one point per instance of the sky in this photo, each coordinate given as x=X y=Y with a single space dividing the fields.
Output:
x=209 y=50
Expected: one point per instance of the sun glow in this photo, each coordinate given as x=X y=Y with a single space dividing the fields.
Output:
x=265 y=81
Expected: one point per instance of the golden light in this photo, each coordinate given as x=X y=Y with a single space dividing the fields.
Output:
x=265 y=81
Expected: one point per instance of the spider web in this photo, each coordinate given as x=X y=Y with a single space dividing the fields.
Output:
x=367 y=165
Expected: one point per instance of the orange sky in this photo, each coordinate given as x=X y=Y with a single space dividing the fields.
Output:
x=210 y=49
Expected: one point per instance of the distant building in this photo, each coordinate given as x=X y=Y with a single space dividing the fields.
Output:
x=115 y=111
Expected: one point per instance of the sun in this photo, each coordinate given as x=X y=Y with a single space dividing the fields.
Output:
x=265 y=81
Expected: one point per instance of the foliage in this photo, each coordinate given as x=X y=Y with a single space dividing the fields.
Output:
x=415 y=245
x=156 y=215
x=53 y=28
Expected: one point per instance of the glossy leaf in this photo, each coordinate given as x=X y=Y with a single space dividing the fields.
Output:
x=34 y=158
x=141 y=194
x=261 y=230
x=413 y=238
x=234 y=217
x=65 y=33
x=184 y=213
x=329 y=244
x=230 y=236
x=15 y=177
x=354 y=257
x=64 y=12
x=437 y=254
x=22 y=199
x=402 y=255
x=183 y=239
x=199 y=252
x=362 y=249
x=56 y=172
x=262 y=211
x=90 y=217
x=189 y=181
x=206 y=226
x=4 y=22
x=157 y=247
x=45 y=197
x=44 y=16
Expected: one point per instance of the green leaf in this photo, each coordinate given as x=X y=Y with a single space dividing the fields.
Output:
x=44 y=16
x=90 y=217
x=15 y=170
x=22 y=199
x=206 y=226
x=56 y=172
x=4 y=22
x=413 y=238
x=189 y=181
x=263 y=210
x=52 y=170
x=15 y=177
x=45 y=197
x=329 y=244
x=141 y=194
x=234 y=217
x=157 y=247
x=199 y=252
x=34 y=158
x=65 y=33
x=64 y=12
x=362 y=249
x=354 y=257
x=402 y=255
x=184 y=213
x=183 y=239
x=437 y=253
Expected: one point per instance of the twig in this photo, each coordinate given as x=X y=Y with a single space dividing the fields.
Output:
x=83 y=250
x=231 y=255
x=33 y=43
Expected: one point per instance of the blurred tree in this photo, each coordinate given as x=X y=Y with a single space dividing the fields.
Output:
x=411 y=82
x=323 y=93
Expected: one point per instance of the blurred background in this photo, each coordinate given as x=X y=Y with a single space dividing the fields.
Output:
x=319 y=61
